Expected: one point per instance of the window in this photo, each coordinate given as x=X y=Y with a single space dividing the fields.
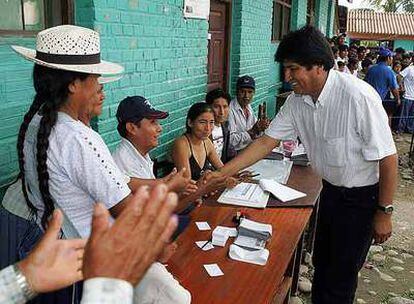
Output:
x=31 y=16
x=281 y=18
x=310 y=12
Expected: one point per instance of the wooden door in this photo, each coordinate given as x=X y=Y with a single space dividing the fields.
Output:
x=218 y=45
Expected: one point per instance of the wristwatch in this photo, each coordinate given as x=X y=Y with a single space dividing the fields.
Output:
x=388 y=209
x=28 y=292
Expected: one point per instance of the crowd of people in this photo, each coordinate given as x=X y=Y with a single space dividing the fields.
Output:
x=390 y=73
x=117 y=249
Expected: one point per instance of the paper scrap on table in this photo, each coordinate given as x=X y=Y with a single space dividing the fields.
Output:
x=203 y=226
x=221 y=234
x=213 y=270
x=200 y=244
x=281 y=192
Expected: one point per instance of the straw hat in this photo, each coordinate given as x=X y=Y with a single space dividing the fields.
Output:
x=70 y=48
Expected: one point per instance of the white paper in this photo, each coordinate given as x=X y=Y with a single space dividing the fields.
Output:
x=245 y=194
x=258 y=257
x=299 y=150
x=200 y=245
x=281 y=192
x=199 y=9
x=203 y=226
x=213 y=270
x=256 y=226
x=221 y=235
x=278 y=170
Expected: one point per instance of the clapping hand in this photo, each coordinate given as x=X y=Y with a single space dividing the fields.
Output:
x=54 y=263
x=126 y=249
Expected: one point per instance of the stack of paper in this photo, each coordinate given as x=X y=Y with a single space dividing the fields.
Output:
x=250 y=243
x=245 y=194
x=280 y=191
x=299 y=156
x=221 y=235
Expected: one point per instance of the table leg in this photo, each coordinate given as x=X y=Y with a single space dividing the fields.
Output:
x=311 y=230
x=296 y=266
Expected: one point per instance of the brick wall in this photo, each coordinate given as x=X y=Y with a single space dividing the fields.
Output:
x=252 y=51
x=408 y=45
x=165 y=59
x=321 y=14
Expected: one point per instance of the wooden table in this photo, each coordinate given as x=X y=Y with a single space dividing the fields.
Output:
x=243 y=282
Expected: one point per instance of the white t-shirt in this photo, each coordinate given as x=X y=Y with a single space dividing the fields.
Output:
x=408 y=75
x=158 y=286
x=131 y=162
x=239 y=125
x=218 y=139
x=81 y=171
x=345 y=133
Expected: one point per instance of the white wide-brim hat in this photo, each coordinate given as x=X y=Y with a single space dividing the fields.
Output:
x=70 y=48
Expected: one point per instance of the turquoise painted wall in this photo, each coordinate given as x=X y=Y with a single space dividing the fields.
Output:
x=408 y=45
x=165 y=58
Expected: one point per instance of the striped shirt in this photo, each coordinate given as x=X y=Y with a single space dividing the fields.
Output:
x=345 y=132
x=239 y=125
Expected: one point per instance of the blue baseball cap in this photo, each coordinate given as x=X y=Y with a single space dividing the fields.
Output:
x=246 y=81
x=384 y=52
x=135 y=108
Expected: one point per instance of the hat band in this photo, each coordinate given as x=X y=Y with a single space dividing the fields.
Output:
x=69 y=59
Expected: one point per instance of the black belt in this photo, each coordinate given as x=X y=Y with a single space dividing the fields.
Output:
x=363 y=189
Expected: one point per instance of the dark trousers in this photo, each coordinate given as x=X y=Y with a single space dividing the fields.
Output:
x=343 y=237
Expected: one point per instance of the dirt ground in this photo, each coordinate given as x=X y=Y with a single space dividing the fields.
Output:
x=389 y=273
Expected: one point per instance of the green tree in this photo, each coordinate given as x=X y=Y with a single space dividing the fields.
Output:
x=393 y=5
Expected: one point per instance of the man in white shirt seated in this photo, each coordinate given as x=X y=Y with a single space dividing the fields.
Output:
x=139 y=127
x=114 y=260
x=243 y=124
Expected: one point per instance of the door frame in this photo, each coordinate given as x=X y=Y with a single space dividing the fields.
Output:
x=228 y=21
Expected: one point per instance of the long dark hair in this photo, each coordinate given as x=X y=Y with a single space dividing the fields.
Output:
x=196 y=110
x=52 y=90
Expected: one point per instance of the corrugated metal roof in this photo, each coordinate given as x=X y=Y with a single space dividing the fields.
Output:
x=369 y=24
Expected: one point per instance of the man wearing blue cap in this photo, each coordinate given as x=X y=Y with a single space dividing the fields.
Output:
x=243 y=124
x=382 y=78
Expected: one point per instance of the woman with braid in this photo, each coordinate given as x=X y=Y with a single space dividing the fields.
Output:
x=63 y=162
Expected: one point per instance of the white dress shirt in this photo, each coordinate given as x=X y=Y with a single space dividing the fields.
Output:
x=218 y=139
x=95 y=291
x=408 y=77
x=131 y=162
x=345 y=132
x=81 y=171
x=239 y=125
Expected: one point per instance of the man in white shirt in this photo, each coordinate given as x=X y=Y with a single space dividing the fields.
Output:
x=113 y=260
x=243 y=124
x=406 y=123
x=343 y=126
x=138 y=125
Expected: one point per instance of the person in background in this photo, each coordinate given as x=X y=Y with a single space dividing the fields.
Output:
x=343 y=127
x=406 y=123
x=341 y=66
x=243 y=124
x=352 y=66
x=406 y=60
x=365 y=64
x=399 y=52
x=335 y=52
x=381 y=77
x=343 y=53
x=56 y=263
x=219 y=101
x=341 y=39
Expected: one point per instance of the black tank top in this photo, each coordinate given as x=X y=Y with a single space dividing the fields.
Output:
x=196 y=170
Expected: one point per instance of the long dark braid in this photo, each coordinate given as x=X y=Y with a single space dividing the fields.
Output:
x=52 y=90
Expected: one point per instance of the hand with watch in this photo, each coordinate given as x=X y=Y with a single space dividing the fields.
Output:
x=382 y=225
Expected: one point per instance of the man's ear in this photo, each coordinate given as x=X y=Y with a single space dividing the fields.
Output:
x=130 y=127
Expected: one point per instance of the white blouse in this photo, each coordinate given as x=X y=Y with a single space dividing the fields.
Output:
x=81 y=171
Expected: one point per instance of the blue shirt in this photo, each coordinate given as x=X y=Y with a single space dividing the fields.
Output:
x=382 y=78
